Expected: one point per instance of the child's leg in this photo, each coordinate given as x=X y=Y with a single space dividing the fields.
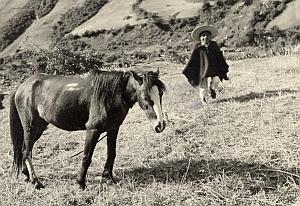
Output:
x=215 y=81
x=214 y=84
x=203 y=87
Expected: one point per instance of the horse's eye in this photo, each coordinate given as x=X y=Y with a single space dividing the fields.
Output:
x=147 y=98
x=161 y=93
x=151 y=103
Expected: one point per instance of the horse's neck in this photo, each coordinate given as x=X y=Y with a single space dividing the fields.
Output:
x=130 y=92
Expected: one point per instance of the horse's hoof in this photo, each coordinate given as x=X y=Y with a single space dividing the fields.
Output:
x=81 y=184
x=106 y=177
x=108 y=181
x=38 y=185
x=26 y=179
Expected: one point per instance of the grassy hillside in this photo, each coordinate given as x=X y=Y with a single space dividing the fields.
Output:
x=40 y=31
x=243 y=149
x=288 y=18
x=240 y=23
x=115 y=14
x=9 y=8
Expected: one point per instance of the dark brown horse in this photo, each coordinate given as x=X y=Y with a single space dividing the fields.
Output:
x=97 y=102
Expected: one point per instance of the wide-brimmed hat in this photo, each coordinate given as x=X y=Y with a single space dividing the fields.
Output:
x=198 y=30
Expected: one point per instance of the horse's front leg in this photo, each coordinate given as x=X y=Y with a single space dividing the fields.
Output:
x=111 y=154
x=92 y=136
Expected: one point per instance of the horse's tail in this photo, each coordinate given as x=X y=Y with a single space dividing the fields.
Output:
x=16 y=134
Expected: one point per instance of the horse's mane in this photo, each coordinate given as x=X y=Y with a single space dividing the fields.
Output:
x=107 y=84
x=152 y=79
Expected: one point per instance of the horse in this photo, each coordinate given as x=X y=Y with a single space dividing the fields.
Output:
x=97 y=101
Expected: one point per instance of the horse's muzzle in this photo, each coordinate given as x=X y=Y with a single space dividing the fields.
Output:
x=160 y=127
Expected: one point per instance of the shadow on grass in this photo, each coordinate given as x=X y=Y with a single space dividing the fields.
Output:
x=258 y=95
x=256 y=177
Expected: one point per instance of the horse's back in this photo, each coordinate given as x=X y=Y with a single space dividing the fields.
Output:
x=26 y=91
x=59 y=100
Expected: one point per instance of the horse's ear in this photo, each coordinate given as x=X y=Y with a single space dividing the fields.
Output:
x=154 y=73
x=137 y=77
x=157 y=72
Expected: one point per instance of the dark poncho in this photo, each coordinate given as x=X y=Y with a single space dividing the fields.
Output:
x=206 y=62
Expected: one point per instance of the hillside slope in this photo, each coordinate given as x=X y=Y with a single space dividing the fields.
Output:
x=9 y=8
x=39 y=33
x=114 y=14
x=174 y=16
x=289 y=18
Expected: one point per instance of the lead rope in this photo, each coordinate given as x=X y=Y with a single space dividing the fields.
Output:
x=78 y=153
x=74 y=155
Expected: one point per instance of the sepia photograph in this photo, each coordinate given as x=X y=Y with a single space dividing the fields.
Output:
x=150 y=102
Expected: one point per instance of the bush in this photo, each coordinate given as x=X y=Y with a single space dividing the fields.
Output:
x=248 y=2
x=67 y=62
x=230 y=2
x=206 y=7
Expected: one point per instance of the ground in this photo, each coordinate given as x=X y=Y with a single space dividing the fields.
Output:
x=242 y=149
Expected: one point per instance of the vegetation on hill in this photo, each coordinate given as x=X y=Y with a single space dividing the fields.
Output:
x=256 y=35
x=43 y=7
x=74 y=17
x=18 y=24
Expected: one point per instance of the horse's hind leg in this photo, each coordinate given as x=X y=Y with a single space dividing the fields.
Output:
x=31 y=134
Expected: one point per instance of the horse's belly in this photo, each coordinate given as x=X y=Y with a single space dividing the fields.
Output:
x=70 y=120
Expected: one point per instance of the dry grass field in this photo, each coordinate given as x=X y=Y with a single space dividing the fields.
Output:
x=242 y=149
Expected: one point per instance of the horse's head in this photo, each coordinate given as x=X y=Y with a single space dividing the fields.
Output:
x=149 y=93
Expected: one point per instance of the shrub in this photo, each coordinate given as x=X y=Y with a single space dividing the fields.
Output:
x=67 y=62
x=248 y=2
x=230 y=2
x=206 y=7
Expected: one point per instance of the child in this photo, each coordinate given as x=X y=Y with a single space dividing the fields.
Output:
x=206 y=63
